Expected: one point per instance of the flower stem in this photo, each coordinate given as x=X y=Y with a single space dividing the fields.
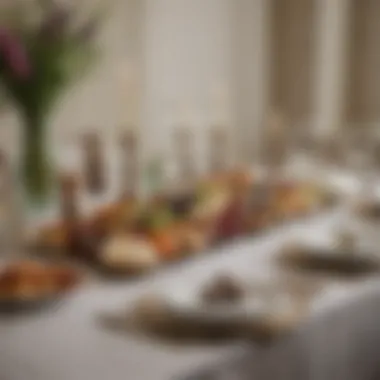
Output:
x=36 y=170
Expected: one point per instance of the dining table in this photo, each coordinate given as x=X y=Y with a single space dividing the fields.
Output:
x=338 y=339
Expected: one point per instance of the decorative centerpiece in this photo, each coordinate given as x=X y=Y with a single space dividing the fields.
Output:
x=38 y=61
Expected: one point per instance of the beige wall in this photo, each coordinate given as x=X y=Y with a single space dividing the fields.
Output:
x=187 y=69
x=264 y=53
x=251 y=70
x=363 y=103
x=292 y=54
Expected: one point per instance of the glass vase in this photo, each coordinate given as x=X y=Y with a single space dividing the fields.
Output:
x=36 y=164
x=36 y=176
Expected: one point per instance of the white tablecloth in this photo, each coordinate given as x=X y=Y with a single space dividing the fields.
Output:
x=340 y=341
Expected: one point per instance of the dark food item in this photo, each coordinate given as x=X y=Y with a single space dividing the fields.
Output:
x=181 y=204
x=69 y=193
x=84 y=241
x=223 y=289
x=339 y=263
x=371 y=210
x=69 y=208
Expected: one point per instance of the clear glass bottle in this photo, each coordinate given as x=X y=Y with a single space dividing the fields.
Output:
x=11 y=217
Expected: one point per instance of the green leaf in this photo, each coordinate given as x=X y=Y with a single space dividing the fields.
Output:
x=56 y=64
x=159 y=218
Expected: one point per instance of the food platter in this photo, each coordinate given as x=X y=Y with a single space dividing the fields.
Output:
x=256 y=302
x=128 y=237
x=243 y=309
x=30 y=286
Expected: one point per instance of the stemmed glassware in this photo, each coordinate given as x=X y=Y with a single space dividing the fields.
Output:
x=322 y=152
x=362 y=157
x=276 y=146
x=302 y=150
x=359 y=149
x=374 y=149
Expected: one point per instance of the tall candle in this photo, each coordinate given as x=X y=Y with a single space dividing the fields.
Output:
x=275 y=141
x=217 y=149
x=185 y=155
x=94 y=162
x=69 y=198
x=129 y=163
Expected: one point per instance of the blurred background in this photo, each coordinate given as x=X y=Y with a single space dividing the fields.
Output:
x=213 y=87
x=206 y=62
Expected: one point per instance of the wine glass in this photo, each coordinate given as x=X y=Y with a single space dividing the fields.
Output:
x=303 y=151
x=358 y=155
x=276 y=145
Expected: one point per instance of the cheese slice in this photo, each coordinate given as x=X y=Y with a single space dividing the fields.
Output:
x=128 y=252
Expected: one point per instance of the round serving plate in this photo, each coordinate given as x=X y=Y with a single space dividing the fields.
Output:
x=116 y=273
x=366 y=227
x=28 y=305
x=23 y=303
x=330 y=258
x=187 y=302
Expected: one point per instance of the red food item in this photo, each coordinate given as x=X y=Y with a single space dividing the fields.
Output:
x=166 y=244
x=63 y=278
x=32 y=279
x=232 y=222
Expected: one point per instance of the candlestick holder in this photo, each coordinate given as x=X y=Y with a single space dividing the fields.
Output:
x=69 y=184
x=275 y=144
x=129 y=164
x=217 y=150
x=94 y=163
x=10 y=228
x=185 y=157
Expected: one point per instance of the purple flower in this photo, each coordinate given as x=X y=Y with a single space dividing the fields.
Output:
x=14 y=55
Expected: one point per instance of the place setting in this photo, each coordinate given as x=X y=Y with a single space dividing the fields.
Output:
x=344 y=252
x=223 y=308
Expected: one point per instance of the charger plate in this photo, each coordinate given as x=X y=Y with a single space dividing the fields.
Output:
x=330 y=260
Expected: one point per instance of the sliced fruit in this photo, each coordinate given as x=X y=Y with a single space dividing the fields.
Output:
x=166 y=243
